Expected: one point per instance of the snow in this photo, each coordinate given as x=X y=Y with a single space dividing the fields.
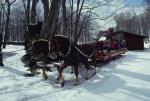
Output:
x=124 y=79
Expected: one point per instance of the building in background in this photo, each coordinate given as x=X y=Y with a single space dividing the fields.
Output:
x=133 y=41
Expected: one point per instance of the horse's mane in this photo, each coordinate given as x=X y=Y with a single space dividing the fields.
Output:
x=62 y=39
x=61 y=36
x=39 y=40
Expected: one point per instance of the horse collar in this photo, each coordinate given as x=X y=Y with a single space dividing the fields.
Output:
x=69 y=50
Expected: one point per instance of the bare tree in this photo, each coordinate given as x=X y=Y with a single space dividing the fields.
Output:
x=75 y=21
x=65 y=25
x=27 y=5
x=46 y=8
x=78 y=15
x=49 y=26
x=17 y=23
x=7 y=12
x=1 y=19
x=33 y=11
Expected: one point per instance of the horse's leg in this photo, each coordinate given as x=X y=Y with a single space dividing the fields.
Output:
x=76 y=71
x=45 y=76
x=87 y=72
x=58 y=69
x=57 y=78
x=71 y=70
x=60 y=76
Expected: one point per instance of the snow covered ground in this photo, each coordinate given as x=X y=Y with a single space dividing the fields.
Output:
x=124 y=79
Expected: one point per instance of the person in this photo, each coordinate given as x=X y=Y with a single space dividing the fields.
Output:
x=114 y=45
x=1 y=56
x=32 y=33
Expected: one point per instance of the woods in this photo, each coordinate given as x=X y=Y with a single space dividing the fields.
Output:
x=135 y=23
x=70 y=18
x=75 y=19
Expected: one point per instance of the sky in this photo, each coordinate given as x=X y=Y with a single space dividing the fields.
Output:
x=127 y=6
x=133 y=2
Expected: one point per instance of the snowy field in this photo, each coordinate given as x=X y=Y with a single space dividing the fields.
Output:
x=124 y=79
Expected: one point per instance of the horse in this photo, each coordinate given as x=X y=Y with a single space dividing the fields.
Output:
x=39 y=49
x=32 y=33
x=61 y=48
x=40 y=52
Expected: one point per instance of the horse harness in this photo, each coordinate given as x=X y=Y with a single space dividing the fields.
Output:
x=60 y=54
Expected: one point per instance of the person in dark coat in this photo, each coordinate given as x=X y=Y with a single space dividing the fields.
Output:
x=32 y=33
x=1 y=56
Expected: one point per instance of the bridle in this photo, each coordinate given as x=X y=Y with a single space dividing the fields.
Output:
x=59 y=53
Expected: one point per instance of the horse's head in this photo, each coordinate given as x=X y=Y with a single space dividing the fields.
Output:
x=55 y=46
x=59 y=45
x=40 y=48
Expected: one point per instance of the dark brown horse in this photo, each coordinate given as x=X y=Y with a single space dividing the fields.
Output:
x=61 y=48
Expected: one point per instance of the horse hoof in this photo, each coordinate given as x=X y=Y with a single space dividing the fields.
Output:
x=45 y=78
x=76 y=84
x=71 y=72
x=86 y=78
x=57 y=81
x=62 y=84
x=50 y=70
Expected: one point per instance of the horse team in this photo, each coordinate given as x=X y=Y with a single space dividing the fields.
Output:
x=62 y=49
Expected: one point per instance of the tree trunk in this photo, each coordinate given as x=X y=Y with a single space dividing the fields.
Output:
x=48 y=27
x=28 y=12
x=2 y=24
x=71 y=19
x=64 y=18
x=33 y=11
x=1 y=12
x=46 y=8
x=78 y=14
x=7 y=26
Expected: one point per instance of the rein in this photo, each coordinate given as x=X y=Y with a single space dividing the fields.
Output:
x=61 y=54
x=69 y=50
x=79 y=50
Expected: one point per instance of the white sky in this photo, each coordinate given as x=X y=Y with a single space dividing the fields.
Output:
x=116 y=4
